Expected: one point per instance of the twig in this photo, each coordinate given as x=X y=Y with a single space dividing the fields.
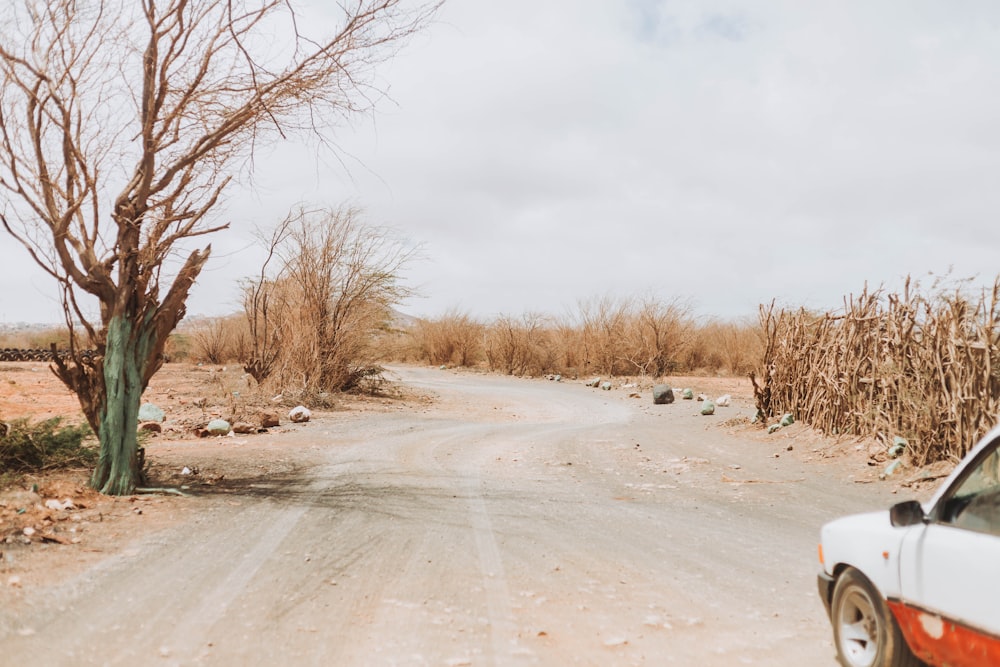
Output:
x=176 y=492
x=730 y=480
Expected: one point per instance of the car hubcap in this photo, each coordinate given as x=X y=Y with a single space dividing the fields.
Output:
x=859 y=629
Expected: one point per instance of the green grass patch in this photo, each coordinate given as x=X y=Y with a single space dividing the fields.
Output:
x=45 y=445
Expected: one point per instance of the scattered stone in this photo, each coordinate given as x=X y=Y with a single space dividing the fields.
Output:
x=595 y=382
x=687 y=395
x=702 y=397
x=708 y=408
x=244 y=428
x=723 y=401
x=28 y=531
x=186 y=471
x=606 y=385
x=299 y=414
x=57 y=505
x=889 y=469
x=898 y=445
x=151 y=413
x=662 y=395
x=218 y=427
x=787 y=419
x=269 y=420
x=151 y=427
x=773 y=428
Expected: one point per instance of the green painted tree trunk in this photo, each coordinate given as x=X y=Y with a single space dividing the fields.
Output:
x=129 y=348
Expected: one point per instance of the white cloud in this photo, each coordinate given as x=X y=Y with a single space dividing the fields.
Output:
x=728 y=151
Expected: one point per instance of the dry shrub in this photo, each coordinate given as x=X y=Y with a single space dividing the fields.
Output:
x=645 y=337
x=314 y=323
x=603 y=324
x=217 y=340
x=923 y=367
x=724 y=347
x=455 y=339
x=519 y=346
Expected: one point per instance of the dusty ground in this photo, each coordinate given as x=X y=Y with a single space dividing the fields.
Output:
x=90 y=526
x=382 y=470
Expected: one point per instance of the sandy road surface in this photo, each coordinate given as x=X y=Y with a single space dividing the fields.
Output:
x=512 y=523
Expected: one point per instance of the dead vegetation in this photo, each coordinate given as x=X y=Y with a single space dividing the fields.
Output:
x=313 y=322
x=919 y=366
x=646 y=337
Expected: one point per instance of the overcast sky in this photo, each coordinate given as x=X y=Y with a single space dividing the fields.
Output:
x=729 y=153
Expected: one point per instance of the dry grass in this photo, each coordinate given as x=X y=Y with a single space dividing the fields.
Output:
x=36 y=339
x=629 y=337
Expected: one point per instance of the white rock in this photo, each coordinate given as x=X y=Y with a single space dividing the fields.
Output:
x=54 y=504
x=299 y=414
x=724 y=400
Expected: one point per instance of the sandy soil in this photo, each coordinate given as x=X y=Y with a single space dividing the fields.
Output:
x=470 y=520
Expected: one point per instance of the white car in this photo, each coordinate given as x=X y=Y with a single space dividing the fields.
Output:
x=920 y=583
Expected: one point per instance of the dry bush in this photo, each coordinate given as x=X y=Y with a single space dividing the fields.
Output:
x=313 y=324
x=218 y=340
x=603 y=328
x=724 y=347
x=567 y=348
x=520 y=346
x=659 y=335
x=923 y=367
x=456 y=338
x=647 y=337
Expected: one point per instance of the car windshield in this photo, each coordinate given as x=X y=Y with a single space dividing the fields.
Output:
x=975 y=503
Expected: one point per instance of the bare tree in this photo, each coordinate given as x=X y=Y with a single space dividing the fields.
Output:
x=122 y=122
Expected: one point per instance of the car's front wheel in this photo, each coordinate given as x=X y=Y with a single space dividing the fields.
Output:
x=864 y=630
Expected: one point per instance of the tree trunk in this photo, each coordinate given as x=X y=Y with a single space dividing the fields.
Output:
x=130 y=346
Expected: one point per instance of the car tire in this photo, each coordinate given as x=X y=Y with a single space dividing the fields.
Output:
x=864 y=630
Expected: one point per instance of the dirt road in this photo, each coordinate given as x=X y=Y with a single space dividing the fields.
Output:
x=512 y=522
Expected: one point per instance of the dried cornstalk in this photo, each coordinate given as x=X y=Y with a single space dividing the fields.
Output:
x=918 y=366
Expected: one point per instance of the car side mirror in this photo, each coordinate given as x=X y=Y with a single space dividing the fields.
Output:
x=908 y=513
